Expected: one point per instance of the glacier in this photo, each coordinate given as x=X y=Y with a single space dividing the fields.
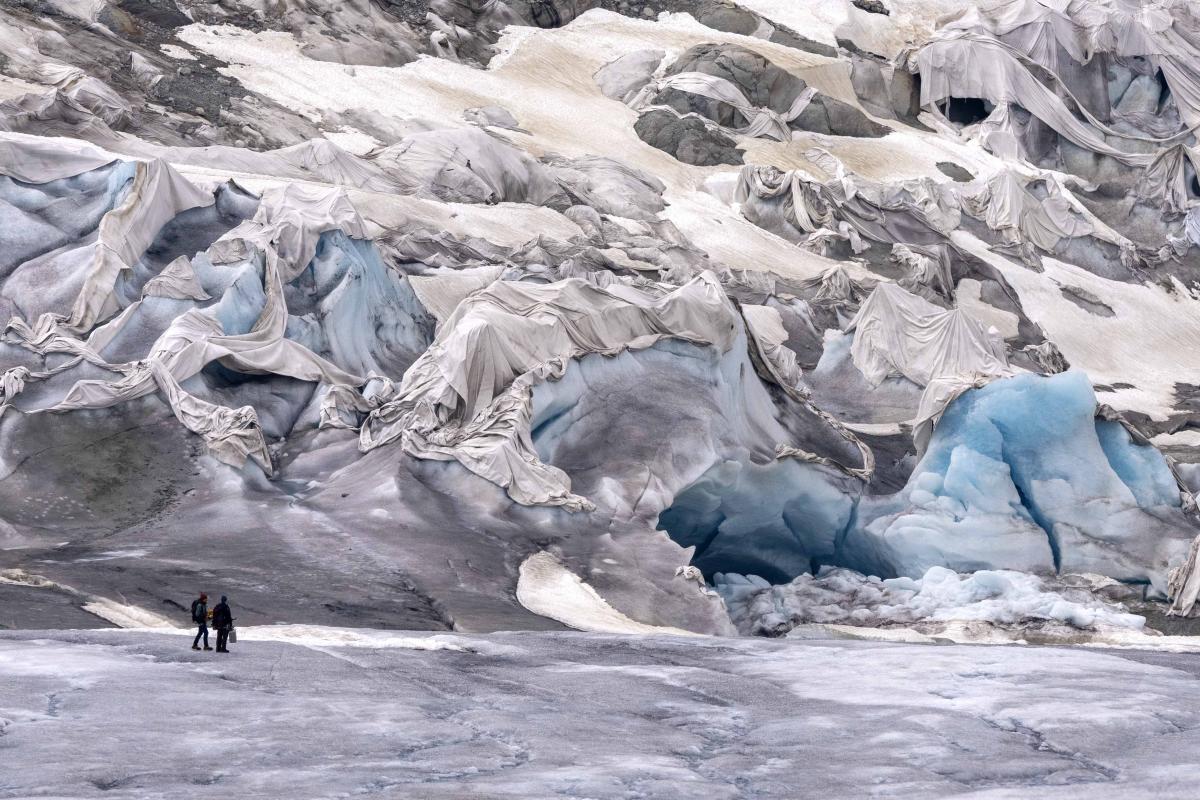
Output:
x=461 y=342
x=875 y=377
x=1021 y=475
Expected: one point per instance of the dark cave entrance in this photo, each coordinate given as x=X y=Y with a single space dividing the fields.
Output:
x=965 y=111
x=776 y=521
x=1164 y=91
x=692 y=521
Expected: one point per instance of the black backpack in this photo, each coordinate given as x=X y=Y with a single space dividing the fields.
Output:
x=197 y=615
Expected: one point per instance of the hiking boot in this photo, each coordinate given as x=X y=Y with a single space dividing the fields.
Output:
x=195 y=647
x=206 y=647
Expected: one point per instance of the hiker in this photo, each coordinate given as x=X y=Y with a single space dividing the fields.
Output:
x=200 y=617
x=223 y=622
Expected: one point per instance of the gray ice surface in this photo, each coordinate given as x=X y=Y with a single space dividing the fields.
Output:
x=541 y=715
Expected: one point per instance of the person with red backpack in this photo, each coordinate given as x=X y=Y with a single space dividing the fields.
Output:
x=200 y=617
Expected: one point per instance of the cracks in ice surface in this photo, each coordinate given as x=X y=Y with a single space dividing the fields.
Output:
x=1037 y=740
x=963 y=217
x=1041 y=522
x=603 y=716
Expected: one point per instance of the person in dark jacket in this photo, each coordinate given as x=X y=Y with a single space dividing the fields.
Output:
x=200 y=617
x=223 y=622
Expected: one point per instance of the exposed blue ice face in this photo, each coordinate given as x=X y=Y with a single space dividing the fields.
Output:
x=1140 y=467
x=772 y=520
x=363 y=316
x=1020 y=475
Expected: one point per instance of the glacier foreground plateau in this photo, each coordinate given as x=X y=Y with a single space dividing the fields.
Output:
x=333 y=712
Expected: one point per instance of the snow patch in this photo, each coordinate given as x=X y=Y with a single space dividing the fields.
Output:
x=123 y=615
x=548 y=588
x=321 y=636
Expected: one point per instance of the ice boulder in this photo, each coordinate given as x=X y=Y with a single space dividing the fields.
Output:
x=836 y=596
x=1021 y=475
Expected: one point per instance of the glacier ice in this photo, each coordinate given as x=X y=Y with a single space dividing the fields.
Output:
x=773 y=520
x=1020 y=474
x=217 y=239
x=844 y=597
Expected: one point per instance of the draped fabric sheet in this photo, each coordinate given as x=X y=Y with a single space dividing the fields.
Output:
x=157 y=195
x=1043 y=31
x=898 y=334
x=314 y=160
x=176 y=281
x=1000 y=53
x=766 y=326
x=467 y=165
x=441 y=293
x=916 y=212
x=975 y=66
x=90 y=92
x=280 y=240
x=776 y=364
x=915 y=216
x=1004 y=201
x=469 y=396
x=40 y=159
x=1184 y=583
x=1165 y=181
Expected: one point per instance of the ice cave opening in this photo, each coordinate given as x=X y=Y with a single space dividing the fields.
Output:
x=965 y=111
x=776 y=521
x=1022 y=465
x=1164 y=92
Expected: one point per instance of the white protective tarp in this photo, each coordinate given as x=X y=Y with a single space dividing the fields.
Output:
x=314 y=160
x=1184 y=583
x=1048 y=32
x=441 y=293
x=468 y=397
x=974 y=66
x=91 y=93
x=1005 y=203
x=157 y=195
x=776 y=363
x=41 y=159
x=916 y=211
x=1165 y=181
x=467 y=165
x=898 y=334
x=146 y=73
x=998 y=52
x=793 y=198
x=12 y=383
x=766 y=326
x=177 y=281
x=282 y=239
